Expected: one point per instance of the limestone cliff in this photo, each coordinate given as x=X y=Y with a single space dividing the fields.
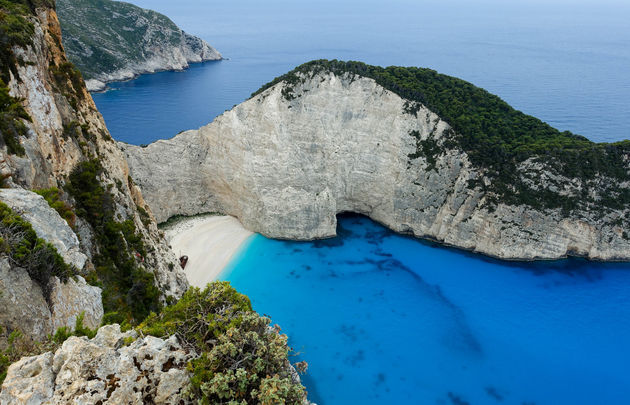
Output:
x=59 y=130
x=319 y=142
x=114 y=41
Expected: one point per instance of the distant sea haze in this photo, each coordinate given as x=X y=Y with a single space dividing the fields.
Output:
x=566 y=63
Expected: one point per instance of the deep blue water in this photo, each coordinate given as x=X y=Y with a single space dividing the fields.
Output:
x=566 y=62
x=386 y=319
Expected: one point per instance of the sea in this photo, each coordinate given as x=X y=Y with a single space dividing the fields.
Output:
x=383 y=318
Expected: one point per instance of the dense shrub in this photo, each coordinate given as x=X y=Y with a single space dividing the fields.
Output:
x=495 y=136
x=53 y=198
x=11 y=125
x=241 y=358
x=129 y=291
x=19 y=242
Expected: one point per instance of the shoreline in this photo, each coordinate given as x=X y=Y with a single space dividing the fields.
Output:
x=103 y=86
x=210 y=242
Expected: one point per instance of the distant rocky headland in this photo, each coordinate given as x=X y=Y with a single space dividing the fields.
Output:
x=114 y=41
x=423 y=153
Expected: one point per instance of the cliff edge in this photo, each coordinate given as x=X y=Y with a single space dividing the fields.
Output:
x=423 y=153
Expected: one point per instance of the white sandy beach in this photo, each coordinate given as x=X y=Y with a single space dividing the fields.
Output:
x=210 y=242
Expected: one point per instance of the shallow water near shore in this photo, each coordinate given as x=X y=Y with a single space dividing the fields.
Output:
x=383 y=318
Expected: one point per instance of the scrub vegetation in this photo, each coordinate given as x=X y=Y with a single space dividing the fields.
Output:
x=241 y=360
x=496 y=137
x=129 y=291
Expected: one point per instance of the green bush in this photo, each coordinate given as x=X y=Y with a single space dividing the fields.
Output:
x=240 y=358
x=19 y=242
x=11 y=125
x=53 y=198
x=129 y=291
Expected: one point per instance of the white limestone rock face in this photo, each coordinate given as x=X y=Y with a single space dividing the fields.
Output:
x=46 y=223
x=25 y=307
x=71 y=299
x=107 y=370
x=52 y=152
x=285 y=166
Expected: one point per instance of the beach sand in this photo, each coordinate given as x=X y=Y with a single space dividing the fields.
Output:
x=210 y=242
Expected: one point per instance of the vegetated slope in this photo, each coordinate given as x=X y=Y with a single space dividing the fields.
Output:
x=112 y=41
x=423 y=153
x=54 y=141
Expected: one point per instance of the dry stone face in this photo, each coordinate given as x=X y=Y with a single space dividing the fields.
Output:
x=286 y=168
x=51 y=154
x=108 y=369
x=24 y=307
x=73 y=298
x=22 y=304
x=46 y=223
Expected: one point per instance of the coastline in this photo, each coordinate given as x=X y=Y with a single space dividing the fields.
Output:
x=102 y=86
x=210 y=242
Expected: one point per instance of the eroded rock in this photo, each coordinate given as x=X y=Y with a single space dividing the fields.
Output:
x=112 y=368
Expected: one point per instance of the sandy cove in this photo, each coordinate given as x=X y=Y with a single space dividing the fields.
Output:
x=210 y=242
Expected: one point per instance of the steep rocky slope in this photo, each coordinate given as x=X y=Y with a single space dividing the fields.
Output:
x=328 y=138
x=87 y=220
x=57 y=135
x=113 y=41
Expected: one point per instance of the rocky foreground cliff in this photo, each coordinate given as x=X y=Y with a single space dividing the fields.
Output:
x=80 y=249
x=113 y=41
x=334 y=137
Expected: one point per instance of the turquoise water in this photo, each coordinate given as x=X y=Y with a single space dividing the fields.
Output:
x=386 y=319
x=566 y=62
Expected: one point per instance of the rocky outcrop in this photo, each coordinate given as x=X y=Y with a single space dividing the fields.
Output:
x=25 y=308
x=23 y=305
x=114 y=41
x=288 y=160
x=112 y=368
x=66 y=129
x=47 y=223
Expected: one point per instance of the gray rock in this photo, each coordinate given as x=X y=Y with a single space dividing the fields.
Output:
x=47 y=223
x=73 y=298
x=107 y=369
x=51 y=154
x=286 y=168
x=25 y=308
x=22 y=304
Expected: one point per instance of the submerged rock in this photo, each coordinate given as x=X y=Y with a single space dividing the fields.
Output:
x=111 y=368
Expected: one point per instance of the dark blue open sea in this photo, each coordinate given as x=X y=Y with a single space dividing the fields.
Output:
x=382 y=318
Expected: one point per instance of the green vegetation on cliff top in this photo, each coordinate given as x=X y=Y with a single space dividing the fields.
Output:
x=495 y=136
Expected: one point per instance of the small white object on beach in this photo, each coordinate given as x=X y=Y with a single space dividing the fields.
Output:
x=210 y=242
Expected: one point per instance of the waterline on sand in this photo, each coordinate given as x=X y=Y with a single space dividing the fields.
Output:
x=210 y=242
